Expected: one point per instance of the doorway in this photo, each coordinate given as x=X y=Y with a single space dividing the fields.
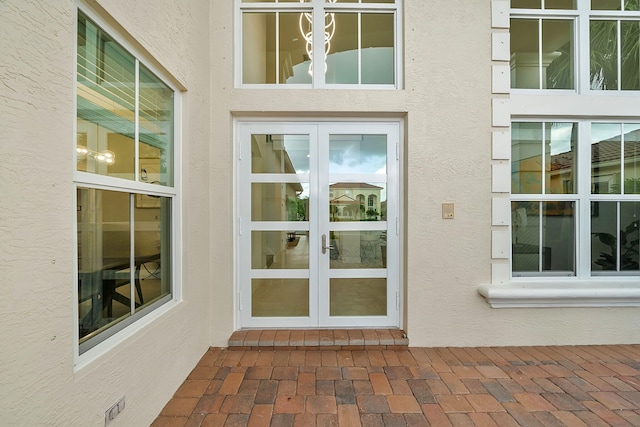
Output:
x=318 y=226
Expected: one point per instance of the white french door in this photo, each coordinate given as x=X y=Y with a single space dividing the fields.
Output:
x=318 y=224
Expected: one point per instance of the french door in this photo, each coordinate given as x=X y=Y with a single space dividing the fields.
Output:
x=318 y=224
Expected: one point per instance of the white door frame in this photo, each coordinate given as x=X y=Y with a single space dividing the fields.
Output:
x=318 y=272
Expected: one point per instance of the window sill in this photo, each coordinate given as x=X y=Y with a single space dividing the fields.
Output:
x=558 y=293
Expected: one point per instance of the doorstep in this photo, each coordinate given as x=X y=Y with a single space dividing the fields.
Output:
x=319 y=339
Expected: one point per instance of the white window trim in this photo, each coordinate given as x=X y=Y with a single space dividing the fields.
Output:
x=317 y=6
x=90 y=180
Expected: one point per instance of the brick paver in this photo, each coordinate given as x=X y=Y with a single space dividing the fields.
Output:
x=377 y=386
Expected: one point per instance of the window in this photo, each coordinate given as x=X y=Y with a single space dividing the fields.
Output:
x=124 y=184
x=357 y=43
x=548 y=37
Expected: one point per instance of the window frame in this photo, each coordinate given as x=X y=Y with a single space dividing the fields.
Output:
x=92 y=348
x=319 y=8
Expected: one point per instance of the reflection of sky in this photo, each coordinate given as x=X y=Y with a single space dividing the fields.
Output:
x=561 y=134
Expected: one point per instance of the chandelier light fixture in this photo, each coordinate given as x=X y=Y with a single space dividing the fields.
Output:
x=108 y=157
x=306 y=20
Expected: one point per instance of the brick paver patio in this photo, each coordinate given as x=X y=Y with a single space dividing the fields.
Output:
x=492 y=386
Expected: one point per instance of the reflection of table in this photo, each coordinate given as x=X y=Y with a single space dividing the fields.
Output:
x=100 y=286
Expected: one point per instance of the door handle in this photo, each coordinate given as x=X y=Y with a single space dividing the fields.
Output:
x=324 y=244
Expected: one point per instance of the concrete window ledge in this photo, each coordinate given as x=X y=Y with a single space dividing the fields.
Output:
x=562 y=294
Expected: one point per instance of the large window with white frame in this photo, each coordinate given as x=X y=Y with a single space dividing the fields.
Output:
x=318 y=43
x=581 y=45
x=125 y=184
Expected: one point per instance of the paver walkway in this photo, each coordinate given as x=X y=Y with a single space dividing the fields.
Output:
x=497 y=386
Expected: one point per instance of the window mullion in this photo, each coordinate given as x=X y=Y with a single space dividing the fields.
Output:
x=540 y=63
x=583 y=166
x=584 y=52
x=540 y=239
x=317 y=47
x=619 y=53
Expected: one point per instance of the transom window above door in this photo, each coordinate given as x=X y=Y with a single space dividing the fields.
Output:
x=318 y=43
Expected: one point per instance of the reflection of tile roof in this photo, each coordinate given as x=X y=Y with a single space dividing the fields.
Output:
x=344 y=200
x=354 y=185
x=603 y=151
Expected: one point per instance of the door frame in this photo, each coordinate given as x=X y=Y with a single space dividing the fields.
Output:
x=395 y=303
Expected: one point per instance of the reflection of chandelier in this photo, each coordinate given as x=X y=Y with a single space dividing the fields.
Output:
x=105 y=156
x=329 y=29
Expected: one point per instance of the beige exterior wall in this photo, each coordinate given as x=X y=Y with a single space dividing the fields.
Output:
x=446 y=108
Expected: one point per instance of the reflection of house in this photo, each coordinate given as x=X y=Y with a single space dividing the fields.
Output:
x=353 y=200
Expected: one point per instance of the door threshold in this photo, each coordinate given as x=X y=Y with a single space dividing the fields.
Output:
x=319 y=339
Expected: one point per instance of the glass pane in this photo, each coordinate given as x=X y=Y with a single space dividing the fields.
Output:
x=632 y=5
x=558 y=237
x=560 y=4
x=279 y=250
x=525 y=230
x=377 y=48
x=280 y=297
x=358 y=297
x=605 y=158
x=604 y=56
x=525 y=4
x=104 y=249
x=258 y=48
x=279 y=153
x=358 y=249
x=560 y=157
x=630 y=67
x=105 y=97
x=605 y=4
x=152 y=216
x=283 y=201
x=275 y=1
x=295 y=48
x=604 y=243
x=629 y=236
x=631 y=158
x=525 y=63
x=526 y=158
x=156 y=129
x=342 y=58
x=358 y=154
x=358 y=201
x=557 y=54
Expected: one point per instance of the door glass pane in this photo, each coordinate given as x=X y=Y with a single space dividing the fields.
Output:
x=342 y=58
x=358 y=154
x=358 y=297
x=279 y=250
x=295 y=46
x=604 y=243
x=631 y=158
x=557 y=54
x=525 y=63
x=526 y=158
x=279 y=202
x=277 y=153
x=604 y=55
x=280 y=297
x=357 y=201
x=630 y=46
x=560 y=158
x=605 y=158
x=258 y=48
x=358 y=249
x=377 y=48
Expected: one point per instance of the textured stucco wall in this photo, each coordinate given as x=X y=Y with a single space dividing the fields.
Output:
x=37 y=79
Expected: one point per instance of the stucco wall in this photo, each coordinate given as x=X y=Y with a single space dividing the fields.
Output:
x=39 y=383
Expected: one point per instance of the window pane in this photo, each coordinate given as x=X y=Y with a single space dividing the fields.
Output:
x=279 y=250
x=631 y=158
x=560 y=4
x=156 y=129
x=377 y=48
x=557 y=54
x=295 y=45
x=105 y=97
x=358 y=297
x=632 y=5
x=342 y=58
x=278 y=201
x=525 y=4
x=558 y=237
x=258 y=48
x=604 y=56
x=604 y=244
x=525 y=64
x=605 y=4
x=605 y=158
x=525 y=236
x=277 y=153
x=526 y=158
x=630 y=67
x=358 y=154
x=560 y=158
x=280 y=297
x=104 y=259
x=629 y=236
